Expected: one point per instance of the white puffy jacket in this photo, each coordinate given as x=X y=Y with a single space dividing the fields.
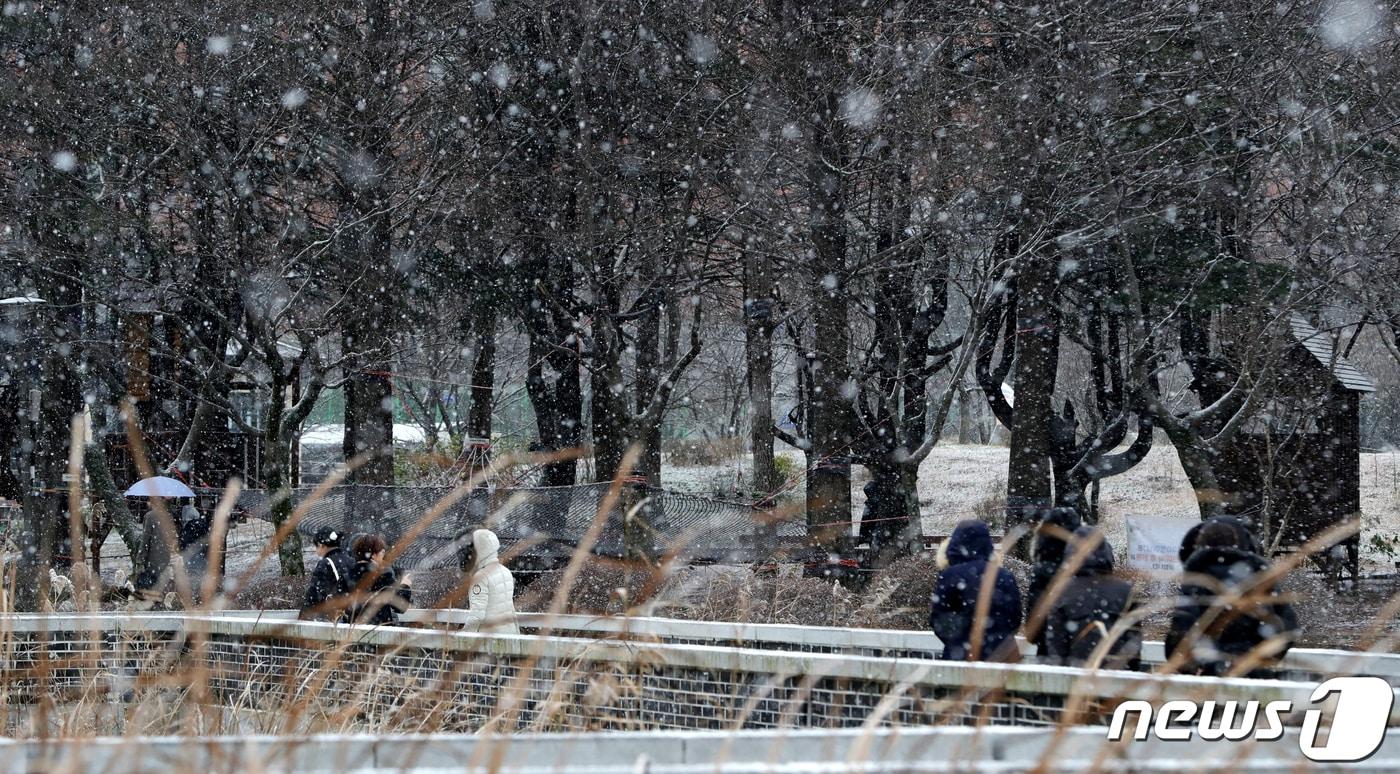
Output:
x=492 y=597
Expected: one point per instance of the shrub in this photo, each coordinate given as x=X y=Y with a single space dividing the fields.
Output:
x=789 y=469
x=992 y=507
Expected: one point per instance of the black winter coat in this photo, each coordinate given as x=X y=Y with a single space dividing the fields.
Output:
x=1049 y=555
x=955 y=598
x=194 y=546
x=1085 y=613
x=330 y=584
x=382 y=599
x=1225 y=631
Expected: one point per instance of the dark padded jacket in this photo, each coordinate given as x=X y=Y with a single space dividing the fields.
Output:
x=382 y=599
x=329 y=587
x=1225 y=630
x=1087 y=610
x=1049 y=554
x=955 y=598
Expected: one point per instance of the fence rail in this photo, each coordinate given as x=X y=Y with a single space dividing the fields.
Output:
x=1304 y=664
x=1300 y=664
x=167 y=673
x=773 y=752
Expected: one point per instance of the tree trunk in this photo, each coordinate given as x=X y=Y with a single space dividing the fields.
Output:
x=965 y=426
x=558 y=412
x=183 y=463
x=609 y=415
x=829 y=471
x=49 y=413
x=1198 y=462
x=367 y=241
x=369 y=423
x=483 y=377
x=649 y=363
x=758 y=345
x=277 y=475
x=105 y=489
x=891 y=507
x=1028 y=478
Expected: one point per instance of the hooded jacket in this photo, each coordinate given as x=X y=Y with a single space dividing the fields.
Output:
x=1245 y=539
x=1087 y=610
x=194 y=544
x=158 y=537
x=330 y=586
x=1049 y=554
x=1216 y=631
x=492 y=597
x=956 y=592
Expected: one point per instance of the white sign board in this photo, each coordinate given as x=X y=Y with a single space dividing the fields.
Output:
x=1153 y=542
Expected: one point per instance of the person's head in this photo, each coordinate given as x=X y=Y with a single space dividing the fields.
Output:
x=1054 y=526
x=369 y=548
x=1216 y=534
x=1068 y=519
x=970 y=541
x=1241 y=527
x=327 y=539
x=187 y=501
x=482 y=551
x=1099 y=558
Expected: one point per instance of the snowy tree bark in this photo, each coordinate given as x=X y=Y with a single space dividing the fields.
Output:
x=829 y=466
x=1029 y=485
x=483 y=375
x=759 y=310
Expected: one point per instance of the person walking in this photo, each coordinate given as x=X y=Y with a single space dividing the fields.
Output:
x=381 y=594
x=1228 y=612
x=492 y=597
x=327 y=593
x=1090 y=606
x=158 y=544
x=970 y=634
x=194 y=546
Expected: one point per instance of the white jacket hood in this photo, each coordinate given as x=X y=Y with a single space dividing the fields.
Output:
x=487 y=546
x=492 y=598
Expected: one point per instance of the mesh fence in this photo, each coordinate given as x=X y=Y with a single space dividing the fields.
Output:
x=173 y=674
x=553 y=519
x=1299 y=664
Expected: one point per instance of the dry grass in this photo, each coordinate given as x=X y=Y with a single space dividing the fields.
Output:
x=991 y=507
x=746 y=598
x=704 y=452
x=603 y=587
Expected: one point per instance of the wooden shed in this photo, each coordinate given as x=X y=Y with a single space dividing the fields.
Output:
x=1297 y=471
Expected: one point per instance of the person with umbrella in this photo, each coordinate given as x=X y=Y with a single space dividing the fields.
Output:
x=157 y=548
x=158 y=532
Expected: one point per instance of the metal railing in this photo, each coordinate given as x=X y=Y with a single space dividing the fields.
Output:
x=1305 y=664
x=789 y=750
x=167 y=673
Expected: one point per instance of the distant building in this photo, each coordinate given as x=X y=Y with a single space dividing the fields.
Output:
x=1297 y=469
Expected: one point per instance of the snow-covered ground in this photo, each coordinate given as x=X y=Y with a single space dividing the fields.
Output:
x=955 y=479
